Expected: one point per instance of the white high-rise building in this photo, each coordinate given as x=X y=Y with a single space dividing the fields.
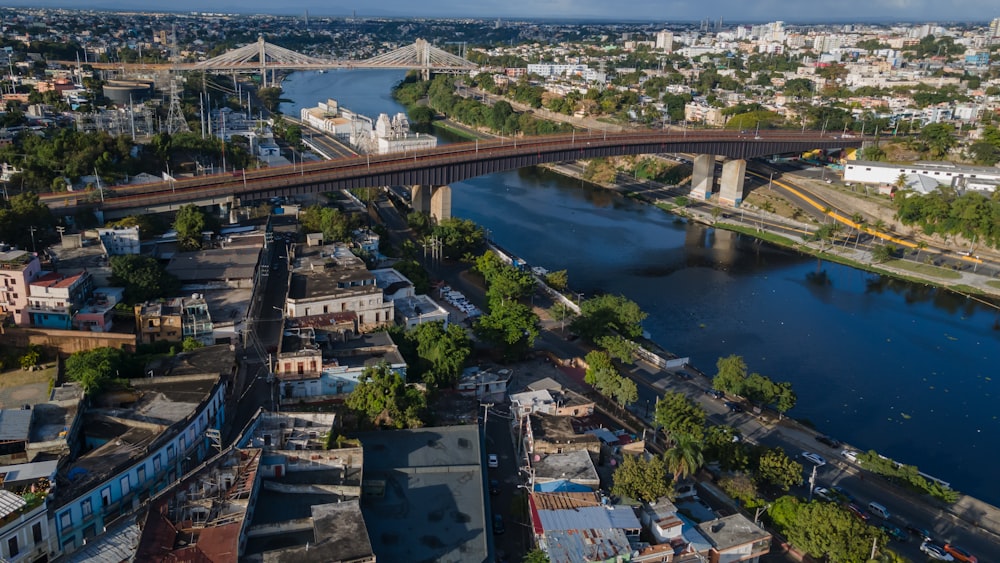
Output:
x=995 y=28
x=665 y=41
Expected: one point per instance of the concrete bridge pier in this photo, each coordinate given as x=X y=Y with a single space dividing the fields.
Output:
x=433 y=200
x=733 y=181
x=703 y=176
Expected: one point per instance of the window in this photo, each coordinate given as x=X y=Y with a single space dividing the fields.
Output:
x=12 y=547
x=126 y=485
x=106 y=496
x=170 y=452
x=36 y=532
x=86 y=508
x=141 y=474
x=66 y=520
x=156 y=463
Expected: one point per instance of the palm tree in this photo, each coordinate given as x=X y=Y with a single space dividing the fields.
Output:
x=862 y=228
x=685 y=458
x=920 y=246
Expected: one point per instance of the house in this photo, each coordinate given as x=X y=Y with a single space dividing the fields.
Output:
x=549 y=434
x=573 y=527
x=331 y=279
x=24 y=527
x=15 y=425
x=568 y=471
x=120 y=241
x=660 y=518
x=483 y=384
x=309 y=365
x=18 y=268
x=54 y=298
x=734 y=539
x=174 y=320
x=97 y=312
x=232 y=267
x=548 y=396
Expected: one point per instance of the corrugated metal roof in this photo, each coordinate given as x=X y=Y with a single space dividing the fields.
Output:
x=14 y=424
x=583 y=518
x=10 y=503
x=574 y=546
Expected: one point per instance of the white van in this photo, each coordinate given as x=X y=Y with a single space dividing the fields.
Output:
x=878 y=510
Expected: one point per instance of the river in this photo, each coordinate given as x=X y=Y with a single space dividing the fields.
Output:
x=902 y=368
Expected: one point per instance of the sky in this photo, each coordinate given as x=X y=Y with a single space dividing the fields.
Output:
x=618 y=10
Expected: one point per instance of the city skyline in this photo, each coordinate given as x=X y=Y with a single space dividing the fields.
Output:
x=639 y=10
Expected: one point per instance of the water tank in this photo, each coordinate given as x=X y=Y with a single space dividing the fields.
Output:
x=120 y=91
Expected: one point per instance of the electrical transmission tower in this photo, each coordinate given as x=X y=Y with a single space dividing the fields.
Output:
x=175 y=117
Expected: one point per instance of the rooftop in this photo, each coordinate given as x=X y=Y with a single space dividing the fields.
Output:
x=114 y=546
x=574 y=465
x=200 y=518
x=425 y=483
x=339 y=534
x=15 y=425
x=24 y=473
x=731 y=531
x=416 y=305
x=15 y=259
x=558 y=429
x=330 y=270
x=218 y=264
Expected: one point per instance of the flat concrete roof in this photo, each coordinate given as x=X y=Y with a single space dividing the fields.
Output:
x=731 y=531
x=14 y=425
x=422 y=494
x=218 y=264
x=574 y=465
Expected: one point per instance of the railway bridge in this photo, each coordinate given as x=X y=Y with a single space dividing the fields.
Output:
x=431 y=171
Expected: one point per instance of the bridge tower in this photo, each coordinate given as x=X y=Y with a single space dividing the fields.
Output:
x=703 y=176
x=433 y=200
x=733 y=180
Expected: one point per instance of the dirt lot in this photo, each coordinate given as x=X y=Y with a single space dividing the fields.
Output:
x=19 y=387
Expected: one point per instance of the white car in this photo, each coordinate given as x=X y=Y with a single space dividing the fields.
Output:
x=935 y=551
x=850 y=455
x=825 y=494
x=492 y=461
x=814 y=458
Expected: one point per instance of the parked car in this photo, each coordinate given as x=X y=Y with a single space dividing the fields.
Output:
x=923 y=533
x=850 y=455
x=733 y=407
x=715 y=393
x=814 y=458
x=935 y=551
x=859 y=512
x=492 y=461
x=894 y=532
x=498 y=527
x=960 y=554
x=842 y=492
x=494 y=487
x=824 y=439
x=825 y=494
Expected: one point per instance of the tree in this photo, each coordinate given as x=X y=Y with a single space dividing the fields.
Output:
x=786 y=398
x=939 y=138
x=511 y=326
x=458 y=236
x=558 y=280
x=443 y=350
x=626 y=392
x=142 y=277
x=535 y=555
x=883 y=252
x=600 y=370
x=23 y=211
x=609 y=314
x=679 y=416
x=776 y=468
x=723 y=444
x=641 y=479
x=189 y=344
x=31 y=357
x=94 y=369
x=619 y=348
x=190 y=223
x=685 y=457
x=826 y=530
x=334 y=225
x=383 y=398
x=731 y=375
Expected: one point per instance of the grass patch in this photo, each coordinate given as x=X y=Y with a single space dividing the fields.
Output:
x=763 y=235
x=925 y=269
x=993 y=283
x=18 y=377
x=668 y=207
x=460 y=132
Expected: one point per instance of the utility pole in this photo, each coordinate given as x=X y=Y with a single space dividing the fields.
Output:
x=32 y=229
x=486 y=412
x=61 y=230
x=812 y=483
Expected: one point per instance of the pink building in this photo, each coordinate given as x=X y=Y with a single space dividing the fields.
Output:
x=18 y=268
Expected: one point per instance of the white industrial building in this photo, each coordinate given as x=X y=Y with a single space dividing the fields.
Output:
x=923 y=176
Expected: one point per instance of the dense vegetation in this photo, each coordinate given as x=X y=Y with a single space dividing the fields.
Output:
x=510 y=325
x=943 y=212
